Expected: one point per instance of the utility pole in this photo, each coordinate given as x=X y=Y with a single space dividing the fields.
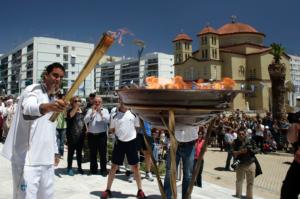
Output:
x=141 y=44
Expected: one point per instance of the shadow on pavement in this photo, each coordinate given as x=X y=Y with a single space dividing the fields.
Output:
x=118 y=194
x=289 y=163
x=220 y=169
x=216 y=150
x=115 y=194
x=63 y=171
x=60 y=171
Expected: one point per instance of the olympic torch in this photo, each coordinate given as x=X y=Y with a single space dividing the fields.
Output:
x=101 y=48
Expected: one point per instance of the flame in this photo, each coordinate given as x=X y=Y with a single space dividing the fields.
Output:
x=178 y=83
x=119 y=34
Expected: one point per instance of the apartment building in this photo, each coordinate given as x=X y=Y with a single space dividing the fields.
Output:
x=24 y=64
x=113 y=75
x=295 y=78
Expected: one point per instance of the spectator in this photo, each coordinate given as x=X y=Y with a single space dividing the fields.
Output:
x=75 y=134
x=61 y=130
x=244 y=152
x=229 y=138
x=97 y=119
x=124 y=124
x=141 y=146
x=186 y=137
x=91 y=100
x=259 y=136
x=198 y=148
x=290 y=187
x=8 y=116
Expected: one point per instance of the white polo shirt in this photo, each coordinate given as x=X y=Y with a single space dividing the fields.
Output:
x=186 y=133
x=124 y=125
x=32 y=137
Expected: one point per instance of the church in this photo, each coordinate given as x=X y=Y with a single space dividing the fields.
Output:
x=235 y=50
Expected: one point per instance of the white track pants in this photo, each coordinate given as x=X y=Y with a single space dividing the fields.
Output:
x=33 y=182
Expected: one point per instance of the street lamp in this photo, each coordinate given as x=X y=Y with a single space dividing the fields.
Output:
x=142 y=45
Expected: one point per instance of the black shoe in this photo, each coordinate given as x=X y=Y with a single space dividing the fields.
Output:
x=80 y=171
x=104 y=173
x=93 y=172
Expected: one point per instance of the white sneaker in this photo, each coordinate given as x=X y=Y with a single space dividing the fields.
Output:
x=149 y=176
x=130 y=178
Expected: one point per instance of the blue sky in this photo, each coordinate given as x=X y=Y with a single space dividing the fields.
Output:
x=157 y=22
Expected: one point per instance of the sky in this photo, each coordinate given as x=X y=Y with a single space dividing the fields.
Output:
x=156 y=22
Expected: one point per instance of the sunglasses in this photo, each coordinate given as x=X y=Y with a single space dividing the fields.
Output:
x=77 y=101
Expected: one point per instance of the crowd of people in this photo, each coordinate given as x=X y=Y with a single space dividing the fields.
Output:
x=35 y=145
x=7 y=110
x=268 y=134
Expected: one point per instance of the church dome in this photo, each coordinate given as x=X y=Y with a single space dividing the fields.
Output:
x=233 y=28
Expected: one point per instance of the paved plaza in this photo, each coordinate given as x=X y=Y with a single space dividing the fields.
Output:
x=217 y=182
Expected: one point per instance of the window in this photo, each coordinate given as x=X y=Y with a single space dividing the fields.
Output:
x=242 y=70
x=66 y=58
x=73 y=60
x=57 y=55
x=65 y=66
x=187 y=46
x=153 y=61
x=29 y=47
x=177 y=46
x=66 y=49
x=73 y=73
x=214 y=40
x=57 y=46
x=29 y=57
x=29 y=66
x=73 y=48
x=186 y=56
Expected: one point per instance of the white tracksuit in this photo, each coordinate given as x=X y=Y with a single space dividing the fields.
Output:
x=31 y=145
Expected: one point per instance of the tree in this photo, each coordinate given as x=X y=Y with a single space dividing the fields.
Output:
x=277 y=73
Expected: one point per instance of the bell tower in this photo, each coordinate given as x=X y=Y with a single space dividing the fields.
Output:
x=209 y=44
x=182 y=45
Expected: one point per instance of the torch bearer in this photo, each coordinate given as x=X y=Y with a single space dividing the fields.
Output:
x=101 y=48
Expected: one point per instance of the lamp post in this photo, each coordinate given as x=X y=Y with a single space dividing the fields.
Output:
x=141 y=44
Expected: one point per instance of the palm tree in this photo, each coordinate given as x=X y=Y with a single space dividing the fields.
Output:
x=277 y=73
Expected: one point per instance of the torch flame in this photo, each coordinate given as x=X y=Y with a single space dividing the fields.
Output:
x=119 y=34
x=178 y=83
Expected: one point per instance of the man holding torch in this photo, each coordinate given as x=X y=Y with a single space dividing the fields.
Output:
x=31 y=143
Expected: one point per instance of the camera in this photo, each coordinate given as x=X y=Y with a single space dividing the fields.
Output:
x=235 y=164
x=294 y=117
